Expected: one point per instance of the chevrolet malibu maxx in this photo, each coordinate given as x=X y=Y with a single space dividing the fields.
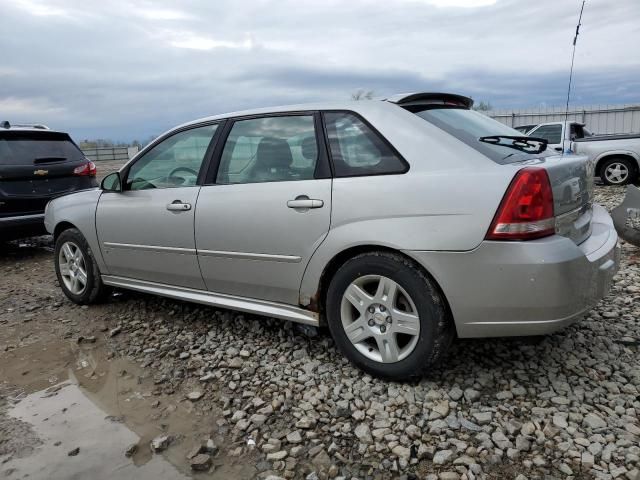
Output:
x=399 y=224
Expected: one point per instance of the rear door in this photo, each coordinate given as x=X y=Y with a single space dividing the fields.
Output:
x=36 y=165
x=146 y=231
x=266 y=208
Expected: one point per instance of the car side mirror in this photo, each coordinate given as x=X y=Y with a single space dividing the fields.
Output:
x=111 y=183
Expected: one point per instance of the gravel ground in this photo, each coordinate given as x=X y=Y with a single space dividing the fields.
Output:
x=286 y=402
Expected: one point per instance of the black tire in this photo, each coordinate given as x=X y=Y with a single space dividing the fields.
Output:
x=436 y=326
x=631 y=168
x=94 y=291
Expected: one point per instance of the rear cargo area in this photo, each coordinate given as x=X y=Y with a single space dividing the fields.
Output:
x=36 y=165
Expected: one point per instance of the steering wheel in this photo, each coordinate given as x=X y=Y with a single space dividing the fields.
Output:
x=182 y=169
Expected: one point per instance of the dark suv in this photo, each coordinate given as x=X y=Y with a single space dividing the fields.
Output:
x=36 y=164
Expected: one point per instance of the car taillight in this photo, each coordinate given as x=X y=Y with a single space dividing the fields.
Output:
x=526 y=211
x=88 y=169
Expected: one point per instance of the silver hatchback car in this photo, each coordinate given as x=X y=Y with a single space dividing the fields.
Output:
x=399 y=224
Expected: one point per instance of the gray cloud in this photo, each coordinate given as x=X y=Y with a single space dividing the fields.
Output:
x=127 y=69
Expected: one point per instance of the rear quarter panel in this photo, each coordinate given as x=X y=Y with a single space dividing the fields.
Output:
x=445 y=202
x=78 y=209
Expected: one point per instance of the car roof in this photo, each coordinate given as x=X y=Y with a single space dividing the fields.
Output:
x=359 y=106
x=6 y=126
x=355 y=105
x=569 y=122
x=31 y=130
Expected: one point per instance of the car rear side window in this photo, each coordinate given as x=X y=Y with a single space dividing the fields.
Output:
x=36 y=148
x=356 y=149
x=269 y=149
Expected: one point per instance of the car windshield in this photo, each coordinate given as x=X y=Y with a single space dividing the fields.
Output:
x=469 y=126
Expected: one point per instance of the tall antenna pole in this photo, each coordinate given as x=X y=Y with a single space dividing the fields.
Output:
x=573 y=56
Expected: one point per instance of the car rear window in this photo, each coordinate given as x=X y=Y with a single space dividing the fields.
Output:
x=34 y=148
x=469 y=125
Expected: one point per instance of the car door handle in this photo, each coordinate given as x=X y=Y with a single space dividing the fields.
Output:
x=178 y=206
x=305 y=202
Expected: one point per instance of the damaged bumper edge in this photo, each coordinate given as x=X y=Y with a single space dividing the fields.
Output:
x=626 y=216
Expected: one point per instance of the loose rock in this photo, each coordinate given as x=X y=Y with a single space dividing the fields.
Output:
x=201 y=462
x=160 y=443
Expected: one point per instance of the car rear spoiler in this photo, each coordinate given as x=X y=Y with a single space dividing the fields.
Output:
x=430 y=98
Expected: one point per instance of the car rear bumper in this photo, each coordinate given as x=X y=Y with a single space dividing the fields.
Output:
x=526 y=288
x=21 y=226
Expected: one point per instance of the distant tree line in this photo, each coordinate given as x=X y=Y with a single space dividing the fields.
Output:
x=362 y=94
x=483 y=106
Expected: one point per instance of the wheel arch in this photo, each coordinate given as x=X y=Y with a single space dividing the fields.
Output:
x=319 y=300
x=61 y=227
x=630 y=156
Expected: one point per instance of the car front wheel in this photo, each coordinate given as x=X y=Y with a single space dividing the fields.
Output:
x=387 y=316
x=76 y=268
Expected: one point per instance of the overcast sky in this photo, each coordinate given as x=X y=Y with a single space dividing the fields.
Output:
x=124 y=69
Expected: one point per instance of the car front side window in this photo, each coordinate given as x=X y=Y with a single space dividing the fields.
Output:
x=269 y=149
x=174 y=162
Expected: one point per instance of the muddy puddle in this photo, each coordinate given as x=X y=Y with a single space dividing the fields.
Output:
x=67 y=421
x=57 y=396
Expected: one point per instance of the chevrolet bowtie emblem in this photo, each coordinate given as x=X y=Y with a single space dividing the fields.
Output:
x=40 y=172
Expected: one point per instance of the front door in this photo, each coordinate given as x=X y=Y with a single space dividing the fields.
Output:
x=267 y=211
x=146 y=231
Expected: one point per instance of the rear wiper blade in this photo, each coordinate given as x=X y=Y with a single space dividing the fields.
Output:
x=39 y=160
x=524 y=144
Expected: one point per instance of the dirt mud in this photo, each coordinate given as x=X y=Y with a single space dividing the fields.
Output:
x=61 y=388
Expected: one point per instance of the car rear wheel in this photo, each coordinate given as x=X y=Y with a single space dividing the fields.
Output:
x=617 y=171
x=76 y=268
x=387 y=316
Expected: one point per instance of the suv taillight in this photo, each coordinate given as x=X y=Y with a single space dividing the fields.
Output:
x=526 y=211
x=88 y=169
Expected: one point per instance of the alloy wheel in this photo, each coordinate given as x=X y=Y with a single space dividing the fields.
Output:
x=380 y=319
x=617 y=173
x=73 y=269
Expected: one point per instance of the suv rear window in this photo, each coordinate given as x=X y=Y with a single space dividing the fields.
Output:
x=469 y=125
x=34 y=148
